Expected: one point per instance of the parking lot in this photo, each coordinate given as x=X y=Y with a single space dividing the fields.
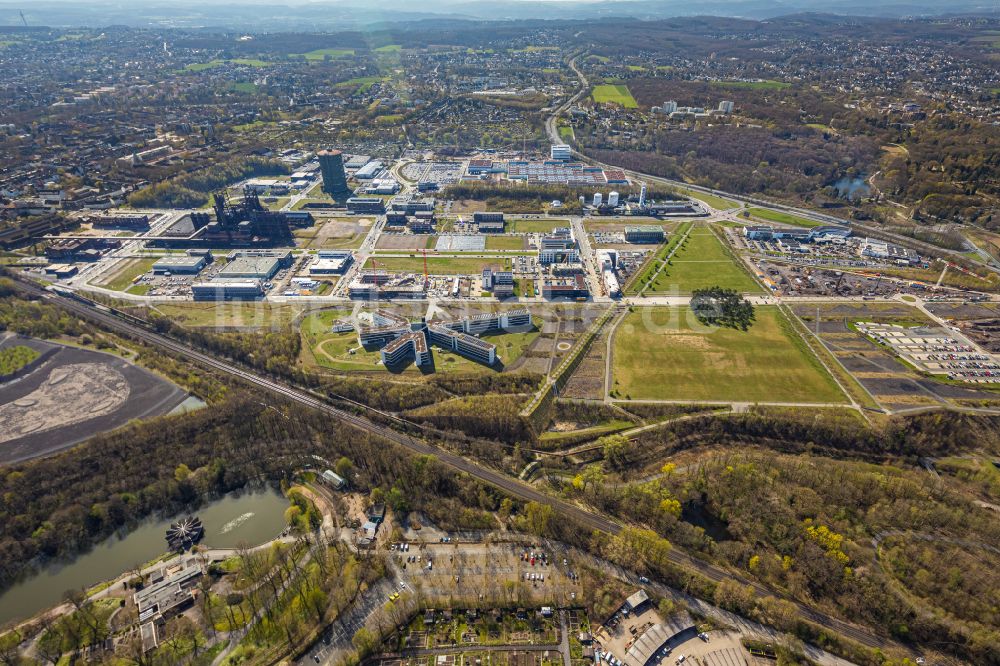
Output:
x=936 y=351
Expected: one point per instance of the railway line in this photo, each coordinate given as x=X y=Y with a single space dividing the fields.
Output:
x=138 y=328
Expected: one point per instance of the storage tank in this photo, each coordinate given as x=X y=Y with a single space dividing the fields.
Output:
x=597 y=199
x=613 y=199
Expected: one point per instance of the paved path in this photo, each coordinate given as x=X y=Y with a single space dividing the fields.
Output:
x=564 y=639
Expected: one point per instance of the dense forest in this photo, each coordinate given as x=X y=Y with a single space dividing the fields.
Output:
x=58 y=506
x=795 y=142
x=805 y=524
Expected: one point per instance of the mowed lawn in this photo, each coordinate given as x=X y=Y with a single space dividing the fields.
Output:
x=125 y=276
x=718 y=203
x=701 y=262
x=614 y=93
x=782 y=217
x=540 y=226
x=666 y=354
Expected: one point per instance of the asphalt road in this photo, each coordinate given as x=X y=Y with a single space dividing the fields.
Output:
x=509 y=485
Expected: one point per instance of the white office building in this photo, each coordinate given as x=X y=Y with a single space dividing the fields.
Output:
x=561 y=151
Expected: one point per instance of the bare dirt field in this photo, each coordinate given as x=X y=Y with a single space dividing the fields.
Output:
x=404 y=242
x=73 y=395
x=335 y=234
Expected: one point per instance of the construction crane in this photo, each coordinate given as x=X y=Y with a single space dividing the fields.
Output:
x=23 y=20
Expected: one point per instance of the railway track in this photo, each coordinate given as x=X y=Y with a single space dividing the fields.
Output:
x=593 y=521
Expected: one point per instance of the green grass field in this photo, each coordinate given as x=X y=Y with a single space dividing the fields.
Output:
x=439 y=265
x=619 y=94
x=653 y=263
x=542 y=226
x=566 y=133
x=665 y=354
x=243 y=87
x=781 y=218
x=363 y=83
x=504 y=242
x=702 y=261
x=320 y=54
x=202 y=66
x=123 y=279
x=389 y=48
x=715 y=202
x=13 y=359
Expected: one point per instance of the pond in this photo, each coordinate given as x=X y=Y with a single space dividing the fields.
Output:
x=247 y=516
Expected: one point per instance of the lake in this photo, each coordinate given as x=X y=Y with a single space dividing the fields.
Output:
x=248 y=516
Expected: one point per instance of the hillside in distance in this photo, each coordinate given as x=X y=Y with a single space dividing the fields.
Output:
x=254 y=15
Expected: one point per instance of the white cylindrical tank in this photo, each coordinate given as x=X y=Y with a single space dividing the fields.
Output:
x=642 y=195
x=613 y=199
x=597 y=199
x=583 y=200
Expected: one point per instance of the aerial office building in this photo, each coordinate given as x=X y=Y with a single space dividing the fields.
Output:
x=644 y=234
x=488 y=222
x=331 y=165
x=561 y=151
x=401 y=340
x=366 y=205
x=331 y=262
x=412 y=344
